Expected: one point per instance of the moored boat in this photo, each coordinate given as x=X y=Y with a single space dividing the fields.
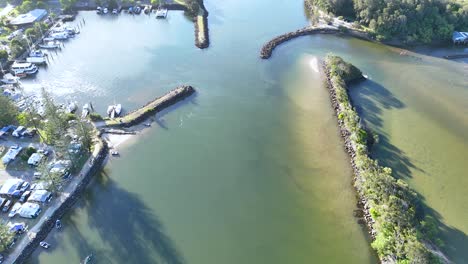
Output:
x=85 y=111
x=71 y=107
x=118 y=109
x=58 y=224
x=105 y=10
x=50 y=45
x=37 y=53
x=44 y=244
x=10 y=79
x=37 y=60
x=23 y=69
x=88 y=259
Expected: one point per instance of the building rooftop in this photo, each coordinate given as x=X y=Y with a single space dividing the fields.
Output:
x=30 y=17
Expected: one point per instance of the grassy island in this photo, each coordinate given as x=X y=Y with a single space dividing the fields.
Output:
x=400 y=230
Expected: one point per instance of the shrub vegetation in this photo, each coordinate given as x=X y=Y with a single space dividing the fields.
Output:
x=401 y=229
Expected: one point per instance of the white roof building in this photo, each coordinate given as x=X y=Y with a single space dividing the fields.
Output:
x=29 y=210
x=10 y=186
x=40 y=196
x=30 y=17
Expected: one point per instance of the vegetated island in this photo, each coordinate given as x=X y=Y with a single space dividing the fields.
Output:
x=400 y=230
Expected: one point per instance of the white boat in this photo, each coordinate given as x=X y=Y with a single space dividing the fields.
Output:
x=88 y=259
x=105 y=11
x=118 y=109
x=85 y=111
x=99 y=10
x=50 y=45
x=161 y=13
x=22 y=69
x=60 y=35
x=36 y=60
x=71 y=107
x=115 y=153
x=37 y=53
x=44 y=244
x=10 y=79
x=58 y=224
x=115 y=11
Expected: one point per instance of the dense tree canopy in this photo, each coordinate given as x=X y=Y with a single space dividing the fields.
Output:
x=410 y=20
x=8 y=111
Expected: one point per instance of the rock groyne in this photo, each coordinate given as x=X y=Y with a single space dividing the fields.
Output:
x=267 y=49
x=202 y=40
x=152 y=107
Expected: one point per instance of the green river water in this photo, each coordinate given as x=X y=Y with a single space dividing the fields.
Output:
x=251 y=169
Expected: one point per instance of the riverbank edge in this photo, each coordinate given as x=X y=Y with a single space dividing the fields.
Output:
x=363 y=202
x=267 y=49
x=98 y=157
x=152 y=107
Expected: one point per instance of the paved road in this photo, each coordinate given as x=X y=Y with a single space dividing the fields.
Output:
x=53 y=206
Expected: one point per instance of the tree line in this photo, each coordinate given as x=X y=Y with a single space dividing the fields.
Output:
x=411 y=21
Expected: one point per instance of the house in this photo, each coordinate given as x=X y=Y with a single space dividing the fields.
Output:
x=10 y=186
x=29 y=210
x=40 y=196
x=11 y=154
x=29 y=18
x=35 y=159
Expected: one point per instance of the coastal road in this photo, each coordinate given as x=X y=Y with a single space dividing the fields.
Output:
x=53 y=206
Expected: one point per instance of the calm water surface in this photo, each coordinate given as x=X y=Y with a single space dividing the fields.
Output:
x=251 y=169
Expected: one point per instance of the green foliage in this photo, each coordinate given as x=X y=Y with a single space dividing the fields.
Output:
x=67 y=5
x=95 y=117
x=6 y=237
x=393 y=205
x=26 y=6
x=56 y=124
x=70 y=116
x=30 y=151
x=155 y=2
x=411 y=21
x=3 y=55
x=342 y=69
x=8 y=111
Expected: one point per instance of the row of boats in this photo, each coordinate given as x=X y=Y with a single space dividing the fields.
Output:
x=160 y=12
x=37 y=57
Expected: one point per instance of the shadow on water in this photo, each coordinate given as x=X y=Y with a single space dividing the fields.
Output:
x=370 y=100
x=125 y=224
x=128 y=226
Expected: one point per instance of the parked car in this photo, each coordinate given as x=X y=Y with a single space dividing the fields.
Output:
x=6 y=206
x=14 y=209
x=17 y=194
x=25 y=196
x=37 y=175
x=43 y=151
x=24 y=186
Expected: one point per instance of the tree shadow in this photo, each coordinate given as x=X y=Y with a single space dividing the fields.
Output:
x=124 y=223
x=370 y=100
x=127 y=225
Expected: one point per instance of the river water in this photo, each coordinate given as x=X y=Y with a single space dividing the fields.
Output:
x=251 y=169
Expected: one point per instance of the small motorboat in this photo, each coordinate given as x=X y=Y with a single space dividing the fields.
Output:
x=37 y=53
x=105 y=10
x=99 y=10
x=147 y=124
x=88 y=259
x=10 y=79
x=50 y=45
x=118 y=109
x=44 y=244
x=147 y=10
x=115 y=153
x=115 y=11
x=130 y=10
x=58 y=224
x=37 y=60
x=71 y=107
x=85 y=111
x=137 y=10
